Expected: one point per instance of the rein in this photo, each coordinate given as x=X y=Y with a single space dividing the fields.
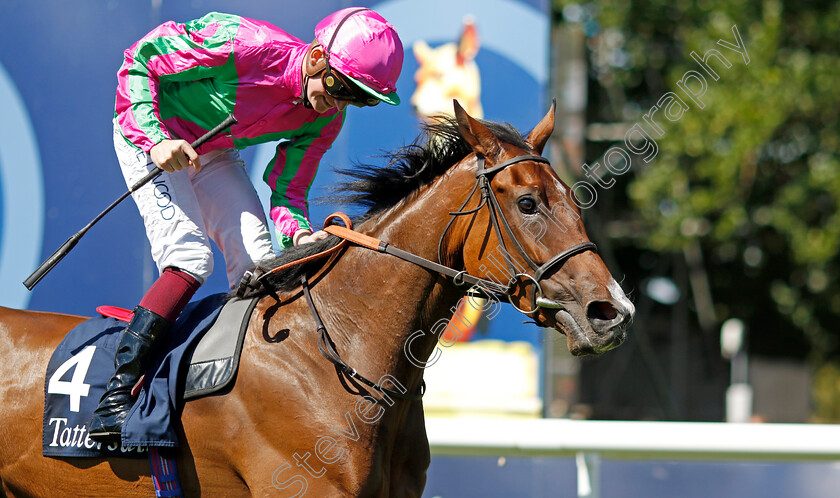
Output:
x=459 y=277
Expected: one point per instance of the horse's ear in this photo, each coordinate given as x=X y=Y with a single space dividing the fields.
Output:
x=480 y=138
x=539 y=135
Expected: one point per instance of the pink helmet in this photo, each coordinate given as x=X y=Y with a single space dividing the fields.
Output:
x=363 y=46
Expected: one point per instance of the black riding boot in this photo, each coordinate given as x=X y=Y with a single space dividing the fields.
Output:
x=131 y=362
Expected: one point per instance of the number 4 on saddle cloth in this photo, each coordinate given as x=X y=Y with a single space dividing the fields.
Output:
x=198 y=357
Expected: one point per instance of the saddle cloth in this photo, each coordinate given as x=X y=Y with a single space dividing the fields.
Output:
x=199 y=356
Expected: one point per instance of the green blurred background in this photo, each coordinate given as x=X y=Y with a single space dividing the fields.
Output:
x=736 y=216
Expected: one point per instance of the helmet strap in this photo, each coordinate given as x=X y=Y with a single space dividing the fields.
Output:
x=304 y=97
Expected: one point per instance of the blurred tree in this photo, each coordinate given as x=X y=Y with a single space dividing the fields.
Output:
x=746 y=190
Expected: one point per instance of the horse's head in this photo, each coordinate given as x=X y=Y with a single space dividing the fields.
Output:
x=531 y=233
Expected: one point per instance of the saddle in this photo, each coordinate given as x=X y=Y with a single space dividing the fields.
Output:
x=199 y=357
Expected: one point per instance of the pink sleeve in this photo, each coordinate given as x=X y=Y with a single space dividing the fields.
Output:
x=171 y=52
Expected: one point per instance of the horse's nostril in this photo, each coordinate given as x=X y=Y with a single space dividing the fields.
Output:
x=601 y=310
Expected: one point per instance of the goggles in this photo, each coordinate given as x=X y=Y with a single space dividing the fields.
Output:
x=340 y=87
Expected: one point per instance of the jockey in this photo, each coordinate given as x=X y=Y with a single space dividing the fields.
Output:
x=181 y=80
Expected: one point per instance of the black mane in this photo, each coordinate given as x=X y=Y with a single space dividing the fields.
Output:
x=438 y=148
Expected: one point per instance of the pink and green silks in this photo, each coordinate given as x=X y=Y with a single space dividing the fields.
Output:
x=180 y=80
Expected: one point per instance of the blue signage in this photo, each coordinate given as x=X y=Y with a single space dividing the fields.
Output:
x=58 y=170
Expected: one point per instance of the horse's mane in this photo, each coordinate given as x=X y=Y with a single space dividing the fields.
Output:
x=438 y=147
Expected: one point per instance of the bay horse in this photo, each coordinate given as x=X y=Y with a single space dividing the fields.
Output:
x=295 y=423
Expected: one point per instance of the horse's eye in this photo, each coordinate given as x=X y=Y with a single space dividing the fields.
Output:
x=527 y=205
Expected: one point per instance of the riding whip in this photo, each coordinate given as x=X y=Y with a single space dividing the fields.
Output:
x=65 y=248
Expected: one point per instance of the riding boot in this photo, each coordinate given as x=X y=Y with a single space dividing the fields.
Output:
x=136 y=342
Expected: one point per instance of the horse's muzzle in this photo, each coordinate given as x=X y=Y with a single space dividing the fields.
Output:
x=596 y=335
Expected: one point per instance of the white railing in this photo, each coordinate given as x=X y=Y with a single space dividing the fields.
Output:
x=588 y=441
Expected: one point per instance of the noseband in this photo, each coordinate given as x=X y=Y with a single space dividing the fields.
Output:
x=483 y=177
x=460 y=278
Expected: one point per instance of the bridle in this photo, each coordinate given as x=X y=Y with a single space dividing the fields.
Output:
x=460 y=278
x=484 y=176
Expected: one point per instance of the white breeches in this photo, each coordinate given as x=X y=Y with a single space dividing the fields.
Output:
x=184 y=210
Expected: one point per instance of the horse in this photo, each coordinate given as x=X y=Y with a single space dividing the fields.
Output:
x=295 y=422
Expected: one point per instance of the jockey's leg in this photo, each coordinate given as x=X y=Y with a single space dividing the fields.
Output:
x=152 y=318
x=182 y=252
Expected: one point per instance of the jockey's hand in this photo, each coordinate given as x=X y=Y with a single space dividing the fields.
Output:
x=305 y=236
x=175 y=155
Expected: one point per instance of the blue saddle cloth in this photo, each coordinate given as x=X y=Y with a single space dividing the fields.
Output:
x=84 y=362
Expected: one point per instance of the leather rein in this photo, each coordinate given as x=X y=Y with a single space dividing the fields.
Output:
x=460 y=278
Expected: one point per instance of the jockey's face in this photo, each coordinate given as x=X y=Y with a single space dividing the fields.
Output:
x=321 y=100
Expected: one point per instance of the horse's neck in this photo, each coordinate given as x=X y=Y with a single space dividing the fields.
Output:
x=395 y=300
